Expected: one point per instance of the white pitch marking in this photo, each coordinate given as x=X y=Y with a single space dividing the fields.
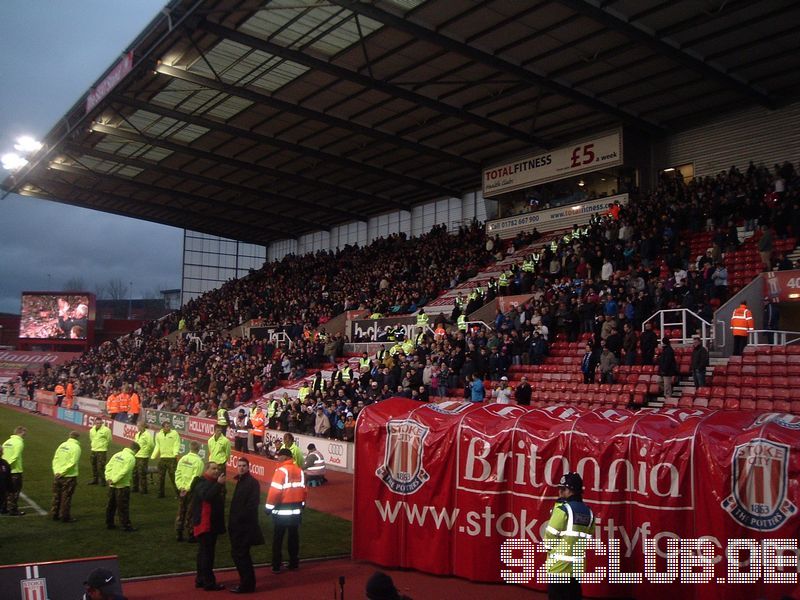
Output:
x=33 y=505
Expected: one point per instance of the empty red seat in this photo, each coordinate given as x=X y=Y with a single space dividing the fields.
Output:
x=716 y=403
x=781 y=405
x=701 y=402
x=780 y=394
x=748 y=404
x=764 y=393
x=731 y=404
x=763 y=404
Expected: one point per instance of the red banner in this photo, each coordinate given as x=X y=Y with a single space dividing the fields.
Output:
x=686 y=501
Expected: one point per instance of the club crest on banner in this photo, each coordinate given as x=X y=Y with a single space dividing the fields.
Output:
x=782 y=419
x=449 y=407
x=759 y=477
x=34 y=587
x=402 y=470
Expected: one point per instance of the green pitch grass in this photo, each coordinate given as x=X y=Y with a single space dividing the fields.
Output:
x=150 y=551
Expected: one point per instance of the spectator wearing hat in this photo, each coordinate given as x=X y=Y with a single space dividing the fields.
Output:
x=349 y=427
x=570 y=521
x=503 y=394
x=381 y=587
x=101 y=584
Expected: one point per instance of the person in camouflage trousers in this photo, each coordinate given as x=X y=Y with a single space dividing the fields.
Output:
x=190 y=468
x=65 y=478
x=145 y=441
x=119 y=472
x=167 y=448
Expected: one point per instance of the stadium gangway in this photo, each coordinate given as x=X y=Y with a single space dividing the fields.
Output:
x=683 y=318
x=772 y=337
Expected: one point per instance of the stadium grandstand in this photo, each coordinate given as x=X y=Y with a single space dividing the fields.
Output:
x=417 y=230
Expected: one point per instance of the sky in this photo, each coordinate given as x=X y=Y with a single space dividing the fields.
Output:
x=51 y=52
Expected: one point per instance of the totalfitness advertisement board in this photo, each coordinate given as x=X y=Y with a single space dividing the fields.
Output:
x=688 y=504
x=549 y=165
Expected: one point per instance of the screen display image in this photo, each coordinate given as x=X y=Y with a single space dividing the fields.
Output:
x=52 y=316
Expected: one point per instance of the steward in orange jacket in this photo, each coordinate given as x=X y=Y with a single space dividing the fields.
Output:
x=285 y=501
x=741 y=325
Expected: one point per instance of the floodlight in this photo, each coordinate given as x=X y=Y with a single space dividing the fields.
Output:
x=27 y=145
x=12 y=161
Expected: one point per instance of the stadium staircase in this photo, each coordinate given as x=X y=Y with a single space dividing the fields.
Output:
x=445 y=302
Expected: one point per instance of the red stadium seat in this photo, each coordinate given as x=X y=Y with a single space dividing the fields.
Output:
x=716 y=403
x=731 y=404
x=748 y=404
x=781 y=405
x=764 y=404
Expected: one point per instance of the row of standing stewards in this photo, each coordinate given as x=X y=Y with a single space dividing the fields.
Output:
x=199 y=488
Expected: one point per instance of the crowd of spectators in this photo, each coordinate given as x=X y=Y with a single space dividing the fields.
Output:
x=202 y=366
x=604 y=279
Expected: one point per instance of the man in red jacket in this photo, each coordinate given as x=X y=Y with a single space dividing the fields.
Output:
x=285 y=502
x=208 y=517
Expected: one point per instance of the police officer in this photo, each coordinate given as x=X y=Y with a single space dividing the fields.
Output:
x=119 y=472
x=65 y=473
x=222 y=418
x=241 y=425
x=145 y=440
x=190 y=467
x=422 y=320
x=285 y=502
x=570 y=522
x=314 y=467
x=99 y=440
x=167 y=448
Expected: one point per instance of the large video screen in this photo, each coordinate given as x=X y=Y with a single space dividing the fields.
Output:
x=50 y=316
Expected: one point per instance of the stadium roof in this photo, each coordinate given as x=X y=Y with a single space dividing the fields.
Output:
x=260 y=120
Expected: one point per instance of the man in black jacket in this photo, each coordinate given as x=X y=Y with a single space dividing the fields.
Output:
x=522 y=394
x=700 y=361
x=589 y=363
x=648 y=342
x=667 y=367
x=243 y=526
x=208 y=517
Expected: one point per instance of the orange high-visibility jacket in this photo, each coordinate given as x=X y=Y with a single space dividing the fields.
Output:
x=112 y=406
x=135 y=404
x=123 y=402
x=741 y=321
x=287 y=492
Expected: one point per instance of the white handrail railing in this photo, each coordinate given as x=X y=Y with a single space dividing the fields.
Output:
x=772 y=337
x=683 y=315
